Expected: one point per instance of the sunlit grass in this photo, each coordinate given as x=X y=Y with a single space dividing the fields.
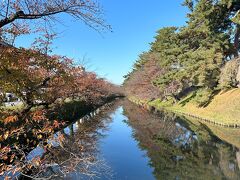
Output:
x=218 y=110
x=224 y=108
x=16 y=108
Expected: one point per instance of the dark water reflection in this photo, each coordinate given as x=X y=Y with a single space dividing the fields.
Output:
x=123 y=141
x=178 y=152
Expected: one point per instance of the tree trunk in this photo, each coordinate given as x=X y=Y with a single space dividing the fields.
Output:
x=236 y=41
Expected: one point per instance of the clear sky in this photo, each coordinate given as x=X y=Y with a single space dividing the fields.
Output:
x=134 y=24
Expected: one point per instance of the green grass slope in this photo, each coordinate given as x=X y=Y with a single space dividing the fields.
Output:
x=224 y=108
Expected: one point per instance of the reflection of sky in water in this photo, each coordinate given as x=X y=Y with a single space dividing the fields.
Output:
x=186 y=137
x=67 y=130
x=120 y=149
x=37 y=152
x=122 y=152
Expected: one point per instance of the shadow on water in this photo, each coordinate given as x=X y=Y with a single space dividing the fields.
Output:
x=175 y=148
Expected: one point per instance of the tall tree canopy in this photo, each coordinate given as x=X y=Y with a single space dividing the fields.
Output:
x=193 y=56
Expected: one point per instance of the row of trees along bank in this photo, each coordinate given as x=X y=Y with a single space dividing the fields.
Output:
x=200 y=57
x=41 y=80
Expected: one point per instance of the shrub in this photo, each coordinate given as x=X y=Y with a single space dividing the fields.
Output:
x=228 y=77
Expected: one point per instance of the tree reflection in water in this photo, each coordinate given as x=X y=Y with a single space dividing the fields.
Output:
x=178 y=152
x=177 y=149
x=71 y=150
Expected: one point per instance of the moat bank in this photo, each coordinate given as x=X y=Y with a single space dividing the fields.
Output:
x=222 y=110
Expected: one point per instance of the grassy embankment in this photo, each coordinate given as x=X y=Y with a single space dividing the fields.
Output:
x=223 y=110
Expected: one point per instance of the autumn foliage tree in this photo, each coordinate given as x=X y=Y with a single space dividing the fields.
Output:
x=33 y=75
x=42 y=81
x=39 y=79
x=17 y=17
x=140 y=81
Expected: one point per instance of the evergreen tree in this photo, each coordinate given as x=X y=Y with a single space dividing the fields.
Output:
x=194 y=55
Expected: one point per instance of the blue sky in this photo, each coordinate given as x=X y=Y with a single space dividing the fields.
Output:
x=134 y=23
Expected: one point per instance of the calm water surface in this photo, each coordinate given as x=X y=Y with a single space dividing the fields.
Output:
x=137 y=144
x=123 y=141
x=122 y=152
